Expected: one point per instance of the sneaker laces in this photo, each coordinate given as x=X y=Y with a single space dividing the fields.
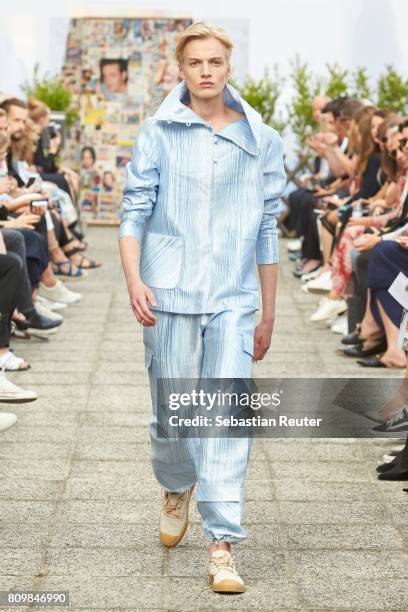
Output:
x=226 y=561
x=173 y=509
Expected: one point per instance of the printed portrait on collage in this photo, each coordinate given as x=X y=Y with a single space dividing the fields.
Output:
x=119 y=70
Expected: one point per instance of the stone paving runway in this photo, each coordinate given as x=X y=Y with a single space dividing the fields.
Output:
x=79 y=506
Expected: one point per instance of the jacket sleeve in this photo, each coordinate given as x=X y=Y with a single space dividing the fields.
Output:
x=142 y=182
x=267 y=248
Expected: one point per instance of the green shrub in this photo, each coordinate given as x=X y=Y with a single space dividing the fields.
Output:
x=299 y=110
x=392 y=91
x=262 y=95
x=51 y=91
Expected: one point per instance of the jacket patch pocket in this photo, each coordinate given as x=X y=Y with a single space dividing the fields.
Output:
x=248 y=344
x=248 y=265
x=161 y=261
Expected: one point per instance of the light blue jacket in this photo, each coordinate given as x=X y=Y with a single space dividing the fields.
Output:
x=203 y=205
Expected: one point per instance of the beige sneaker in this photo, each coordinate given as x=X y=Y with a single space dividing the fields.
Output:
x=222 y=575
x=174 y=517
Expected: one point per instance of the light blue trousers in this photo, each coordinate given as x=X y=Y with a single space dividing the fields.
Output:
x=216 y=345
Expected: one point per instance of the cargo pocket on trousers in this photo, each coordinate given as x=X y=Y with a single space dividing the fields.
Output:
x=148 y=357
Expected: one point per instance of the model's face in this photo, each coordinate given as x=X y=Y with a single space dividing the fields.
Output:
x=114 y=78
x=205 y=67
x=87 y=160
x=17 y=121
x=375 y=124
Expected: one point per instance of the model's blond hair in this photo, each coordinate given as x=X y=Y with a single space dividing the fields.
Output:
x=203 y=29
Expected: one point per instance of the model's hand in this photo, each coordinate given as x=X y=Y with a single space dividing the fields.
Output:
x=262 y=339
x=139 y=297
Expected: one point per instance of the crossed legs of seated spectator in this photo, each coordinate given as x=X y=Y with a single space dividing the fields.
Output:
x=371 y=332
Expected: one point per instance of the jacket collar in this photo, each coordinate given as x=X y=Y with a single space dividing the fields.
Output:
x=174 y=109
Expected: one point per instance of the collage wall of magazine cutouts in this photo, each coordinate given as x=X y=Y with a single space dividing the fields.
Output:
x=119 y=70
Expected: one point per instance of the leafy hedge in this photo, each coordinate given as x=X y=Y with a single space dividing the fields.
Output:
x=390 y=91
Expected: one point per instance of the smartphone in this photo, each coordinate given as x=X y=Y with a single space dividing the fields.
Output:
x=35 y=204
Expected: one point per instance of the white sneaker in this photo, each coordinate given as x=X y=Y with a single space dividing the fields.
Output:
x=10 y=393
x=320 y=284
x=50 y=305
x=59 y=293
x=329 y=309
x=340 y=326
x=294 y=245
x=222 y=574
x=310 y=276
x=46 y=312
x=174 y=517
x=7 y=420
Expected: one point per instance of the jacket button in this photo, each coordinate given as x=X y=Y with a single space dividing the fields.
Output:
x=188 y=123
x=215 y=161
x=169 y=121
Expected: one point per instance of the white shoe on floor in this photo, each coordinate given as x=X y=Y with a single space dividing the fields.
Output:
x=321 y=284
x=305 y=278
x=10 y=393
x=294 y=245
x=46 y=312
x=7 y=420
x=49 y=304
x=329 y=309
x=340 y=325
x=222 y=574
x=59 y=293
x=174 y=517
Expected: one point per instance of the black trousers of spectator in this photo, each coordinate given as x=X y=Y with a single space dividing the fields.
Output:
x=14 y=242
x=307 y=227
x=11 y=276
x=58 y=179
x=59 y=228
x=387 y=260
x=358 y=302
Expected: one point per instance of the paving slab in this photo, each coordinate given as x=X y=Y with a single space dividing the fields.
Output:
x=79 y=505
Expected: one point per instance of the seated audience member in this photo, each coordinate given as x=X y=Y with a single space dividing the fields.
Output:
x=48 y=147
x=65 y=249
x=368 y=180
x=321 y=168
x=338 y=115
x=10 y=276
